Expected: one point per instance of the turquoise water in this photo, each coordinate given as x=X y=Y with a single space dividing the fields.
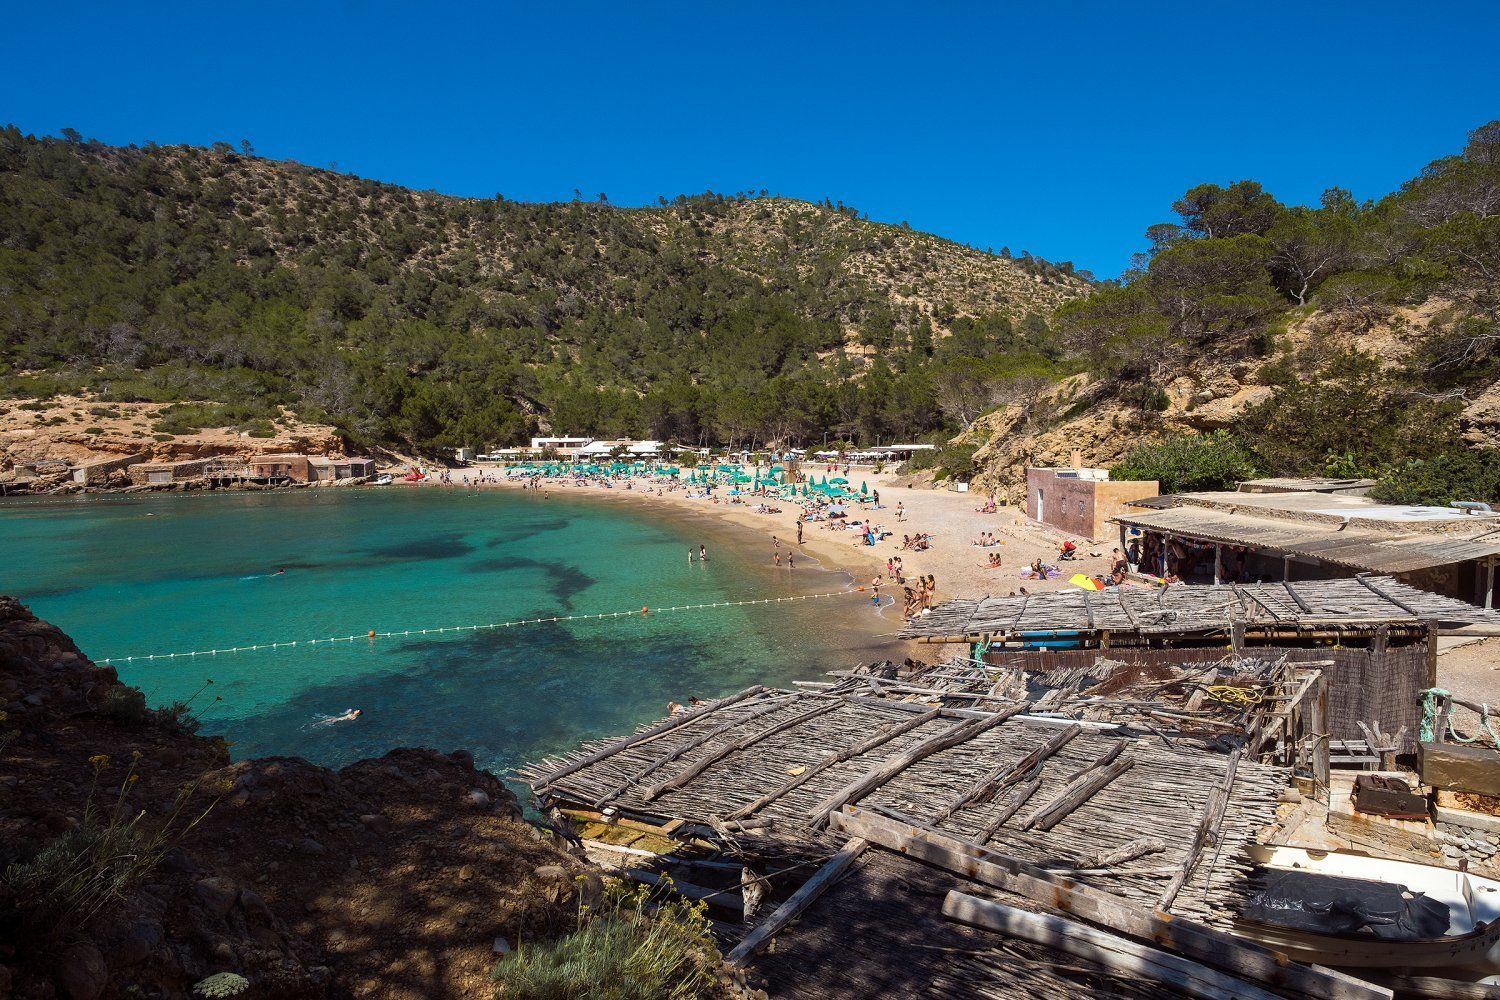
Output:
x=130 y=576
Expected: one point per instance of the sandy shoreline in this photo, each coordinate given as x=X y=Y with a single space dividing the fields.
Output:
x=960 y=567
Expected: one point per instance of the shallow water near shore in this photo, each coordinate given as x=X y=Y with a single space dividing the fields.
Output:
x=133 y=576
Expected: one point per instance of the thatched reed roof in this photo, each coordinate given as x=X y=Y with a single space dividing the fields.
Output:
x=1060 y=795
x=1360 y=602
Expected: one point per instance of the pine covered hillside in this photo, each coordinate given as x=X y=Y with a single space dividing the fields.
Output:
x=1254 y=337
x=246 y=290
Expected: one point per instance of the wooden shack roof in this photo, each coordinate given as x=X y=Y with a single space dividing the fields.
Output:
x=775 y=765
x=1363 y=601
x=1355 y=548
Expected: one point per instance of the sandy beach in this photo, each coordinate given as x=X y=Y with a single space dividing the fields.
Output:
x=960 y=566
x=954 y=521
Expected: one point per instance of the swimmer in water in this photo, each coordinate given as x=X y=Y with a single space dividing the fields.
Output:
x=348 y=716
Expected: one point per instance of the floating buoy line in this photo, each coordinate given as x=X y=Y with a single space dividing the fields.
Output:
x=372 y=634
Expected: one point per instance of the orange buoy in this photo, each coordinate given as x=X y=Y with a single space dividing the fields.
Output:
x=372 y=633
x=644 y=610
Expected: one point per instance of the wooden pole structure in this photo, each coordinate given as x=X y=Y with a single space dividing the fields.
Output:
x=799 y=901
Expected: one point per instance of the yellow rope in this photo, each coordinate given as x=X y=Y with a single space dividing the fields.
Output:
x=1238 y=697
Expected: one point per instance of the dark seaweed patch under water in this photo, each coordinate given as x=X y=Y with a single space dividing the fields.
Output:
x=199 y=574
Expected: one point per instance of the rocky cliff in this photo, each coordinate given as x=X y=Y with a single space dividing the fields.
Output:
x=1209 y=391
x=139 y=861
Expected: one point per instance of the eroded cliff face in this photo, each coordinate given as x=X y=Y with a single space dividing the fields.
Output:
x=1086 y=416
x=389 y=878
x=79 y=429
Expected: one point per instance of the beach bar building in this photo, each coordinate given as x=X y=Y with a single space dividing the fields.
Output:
x=1246 y=536
x=1081 y=501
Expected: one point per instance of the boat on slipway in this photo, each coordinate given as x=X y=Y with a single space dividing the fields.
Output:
x=1359 y=912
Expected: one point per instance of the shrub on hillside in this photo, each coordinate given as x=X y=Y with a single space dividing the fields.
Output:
x=1193 y=462
x=1447 y=476
x=622 y=952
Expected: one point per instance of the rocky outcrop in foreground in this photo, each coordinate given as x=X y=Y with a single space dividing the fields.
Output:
x=389 y=878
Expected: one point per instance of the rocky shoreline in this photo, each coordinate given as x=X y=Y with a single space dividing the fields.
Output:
x=392 y=877
x=59 y=485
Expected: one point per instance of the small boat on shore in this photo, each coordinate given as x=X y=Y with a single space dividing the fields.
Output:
x=1356 y=911
x=384 y=479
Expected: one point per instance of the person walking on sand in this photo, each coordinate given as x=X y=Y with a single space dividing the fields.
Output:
x=799 y=529
x=900 y=511
x=791 y=561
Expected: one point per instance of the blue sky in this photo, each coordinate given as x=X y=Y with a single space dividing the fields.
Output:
x=1062 y=128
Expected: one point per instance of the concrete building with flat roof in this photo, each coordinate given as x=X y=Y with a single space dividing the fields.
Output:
x=324 y=470
x=293 y=467
x=101 y=468
x=157 y=473
x=1081 y=501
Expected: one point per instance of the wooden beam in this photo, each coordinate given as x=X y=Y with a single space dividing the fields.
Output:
x=879 y=738
x=1185 y=936
x=799 y=901
x=888 y=769
x=1005 y=775
x=724 y=898
x=1291 y=592
x=1128 y=959
x=1388 y=597
x=1079 y=791
x=665 y=725
x=749 y=740
x=1207 y=830
x=1434 y=988
x=1014 y=801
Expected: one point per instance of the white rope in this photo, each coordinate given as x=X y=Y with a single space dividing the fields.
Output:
x=372 y=635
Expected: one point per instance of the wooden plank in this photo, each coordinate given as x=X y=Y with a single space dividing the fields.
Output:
x=1455 y=767
x=1185 y=936
x=799 y=901
x=1079 y=791
x=1005 y=775
x=1434 y=988
x=1128 y=959
x=724 y=898
x=888 y=769
x=1125 y=852
x=1208 y=828
x=1388 y=597
x=1296 y=597
x=665 y=725
x=880 y=738
x=742 y=743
